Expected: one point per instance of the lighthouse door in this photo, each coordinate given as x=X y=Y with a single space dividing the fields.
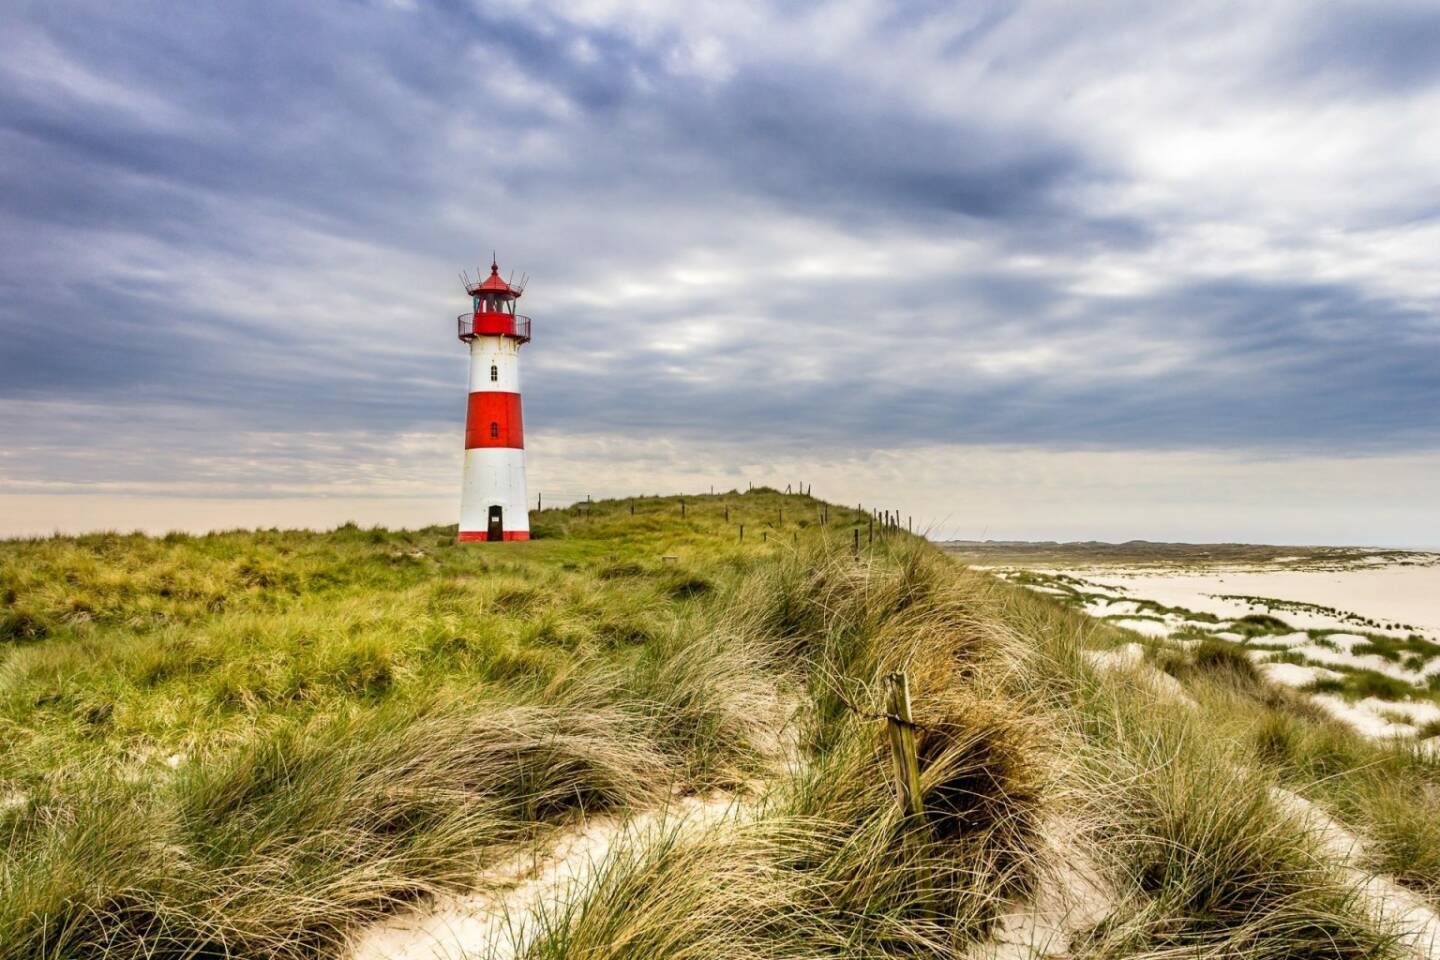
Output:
x=497 y=526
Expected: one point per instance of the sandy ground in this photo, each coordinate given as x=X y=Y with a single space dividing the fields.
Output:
x=1410 y=915
x=499 y=920
x=1385 y=593
x=1387 y=596
x=1072 y=895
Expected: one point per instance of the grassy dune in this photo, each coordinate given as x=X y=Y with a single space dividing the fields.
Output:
x=252 y=744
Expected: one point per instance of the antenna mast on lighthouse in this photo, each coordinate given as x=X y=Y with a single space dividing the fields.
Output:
x=493 y=501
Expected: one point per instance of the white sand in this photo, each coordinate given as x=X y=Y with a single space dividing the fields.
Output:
x=1130 y=655
x=1071 y=895
x=1410 y=915
x=1148 y=628
x=1392 y=593
x=1370 y=716
x=499 y=921
x=1295 y=674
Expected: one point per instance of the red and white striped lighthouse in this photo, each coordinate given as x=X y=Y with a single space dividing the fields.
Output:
x=493 y=502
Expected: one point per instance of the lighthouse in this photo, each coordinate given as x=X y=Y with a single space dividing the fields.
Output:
x=493 y=502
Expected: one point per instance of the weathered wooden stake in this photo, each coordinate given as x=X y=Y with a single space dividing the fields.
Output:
x=539 y=501
x=857 y=541
x=901 y=727
x=742 y=533
x=764 y=536
x=870 y=537
x=632 y=509
x=727 y=513
x=682 y=509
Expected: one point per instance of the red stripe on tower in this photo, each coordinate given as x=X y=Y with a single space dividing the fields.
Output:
x=494 y=420
x=480 y=536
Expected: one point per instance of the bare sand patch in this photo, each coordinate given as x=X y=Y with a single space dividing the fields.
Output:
x=499 y=920
x=1071 y=895
x=1294 y=674
x=1386 y=594
x=1410 y=915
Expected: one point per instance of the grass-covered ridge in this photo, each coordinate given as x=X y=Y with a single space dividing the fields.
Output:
x=254 y=744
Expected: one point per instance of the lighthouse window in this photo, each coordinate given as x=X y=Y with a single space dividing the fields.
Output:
x=494 y=430
x=494 y=373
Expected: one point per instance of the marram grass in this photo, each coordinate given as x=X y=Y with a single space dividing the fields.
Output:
x=252 y=744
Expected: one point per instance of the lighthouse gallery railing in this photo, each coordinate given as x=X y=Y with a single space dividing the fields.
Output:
x=472 y=325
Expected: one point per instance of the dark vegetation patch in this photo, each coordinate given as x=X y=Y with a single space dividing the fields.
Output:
x=1357 y=683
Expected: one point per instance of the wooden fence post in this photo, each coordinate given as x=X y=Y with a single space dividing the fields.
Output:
x=727 y=513
x=901 y=727
x=682 y=509
x=742 y=533
x=857 y=541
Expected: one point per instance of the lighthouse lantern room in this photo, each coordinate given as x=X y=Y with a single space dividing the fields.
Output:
x=493 y=501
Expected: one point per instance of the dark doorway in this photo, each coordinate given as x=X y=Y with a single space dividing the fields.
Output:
x=497 y=527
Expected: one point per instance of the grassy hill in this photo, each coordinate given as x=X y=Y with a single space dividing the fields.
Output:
x=253 y=744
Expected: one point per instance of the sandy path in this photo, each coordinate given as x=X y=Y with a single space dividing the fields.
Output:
x=1072 y=895
x=498 y=921
x=1414 y=919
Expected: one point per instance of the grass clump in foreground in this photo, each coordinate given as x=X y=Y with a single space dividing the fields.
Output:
x=248 y=745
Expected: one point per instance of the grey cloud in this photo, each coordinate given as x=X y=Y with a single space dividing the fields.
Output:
x=1388 y=48
x=289 y=127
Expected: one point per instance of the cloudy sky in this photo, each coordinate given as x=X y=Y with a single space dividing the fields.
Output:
x=1020 y=270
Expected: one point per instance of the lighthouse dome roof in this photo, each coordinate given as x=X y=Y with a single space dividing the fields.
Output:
x=493 y=284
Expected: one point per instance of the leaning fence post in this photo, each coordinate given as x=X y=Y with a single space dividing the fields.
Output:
x=901 y=728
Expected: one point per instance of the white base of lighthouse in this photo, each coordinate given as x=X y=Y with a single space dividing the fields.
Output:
x=493 y=498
